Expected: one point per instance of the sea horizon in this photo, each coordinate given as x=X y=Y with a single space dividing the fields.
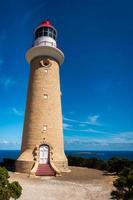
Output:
x=99 y=154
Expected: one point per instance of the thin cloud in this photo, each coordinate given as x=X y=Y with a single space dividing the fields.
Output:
x=92 y=120
x=126 y=136
x=89 y=130
x=67 y=126
x=17 y=112
x=6 y=82
x=117 y=138
x=72 y=143
x=70 y=120
x=5 y=142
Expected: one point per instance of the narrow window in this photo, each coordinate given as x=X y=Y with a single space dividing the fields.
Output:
x=45 y=96
x=45 y=127
x=46 y=71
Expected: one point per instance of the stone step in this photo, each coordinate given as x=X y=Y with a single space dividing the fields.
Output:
x=45 y=170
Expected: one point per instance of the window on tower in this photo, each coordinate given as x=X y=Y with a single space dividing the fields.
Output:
x=45 y=127
x=45 y=96
x=45 y=31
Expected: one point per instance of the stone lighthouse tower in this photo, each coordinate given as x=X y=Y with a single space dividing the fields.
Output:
x=42 y=150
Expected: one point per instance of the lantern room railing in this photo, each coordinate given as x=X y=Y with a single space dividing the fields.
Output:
x=44 y=43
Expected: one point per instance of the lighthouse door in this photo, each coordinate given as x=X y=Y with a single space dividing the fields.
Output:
x=43 y=154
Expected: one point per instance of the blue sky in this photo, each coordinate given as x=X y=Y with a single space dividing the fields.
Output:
x=96 y=77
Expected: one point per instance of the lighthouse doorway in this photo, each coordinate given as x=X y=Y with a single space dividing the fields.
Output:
x=44 y=166
x=43 y=154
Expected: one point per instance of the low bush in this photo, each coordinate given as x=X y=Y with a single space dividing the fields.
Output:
x=123 y=185
x=8 y=190
x=116 y=165
x=87 y=162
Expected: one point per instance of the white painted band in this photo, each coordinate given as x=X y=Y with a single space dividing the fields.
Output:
x=53 y=52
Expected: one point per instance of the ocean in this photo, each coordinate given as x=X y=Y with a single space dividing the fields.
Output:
x=103 y=155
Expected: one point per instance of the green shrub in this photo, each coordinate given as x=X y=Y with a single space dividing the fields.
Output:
x=123 y=185
x=113 y=165
x=87 y=162
x=8 y=190
x=116 y=165
x=15 y=189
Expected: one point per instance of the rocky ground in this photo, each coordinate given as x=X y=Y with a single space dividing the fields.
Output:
x=80 y=184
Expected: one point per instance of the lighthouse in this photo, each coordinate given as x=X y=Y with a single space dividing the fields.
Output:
x=42 y=149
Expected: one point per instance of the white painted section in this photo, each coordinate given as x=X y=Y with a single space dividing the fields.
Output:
x=49 y=51
x=45 y=41
x=43 y=154
x=45 y=127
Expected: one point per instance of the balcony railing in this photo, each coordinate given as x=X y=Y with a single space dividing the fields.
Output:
x=44 y=43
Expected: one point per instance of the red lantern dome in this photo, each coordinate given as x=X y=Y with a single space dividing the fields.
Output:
x=46 y=23
x=45 y=29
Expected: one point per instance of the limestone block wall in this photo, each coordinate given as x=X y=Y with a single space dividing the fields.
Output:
x=43 y=115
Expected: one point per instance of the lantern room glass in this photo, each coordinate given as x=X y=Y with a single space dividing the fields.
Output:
x=45 y=31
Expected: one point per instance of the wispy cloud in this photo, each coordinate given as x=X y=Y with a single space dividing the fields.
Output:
x=89 y=130
x=92 y=120
x=9 y=142
x=83 y=126
x=84 y=141
x=6 y=82
x=6 y=144
x=17 y=112
x=115 y=138
x=126 y=136
x=70 y=120
x=67 y=126
x=84 y=145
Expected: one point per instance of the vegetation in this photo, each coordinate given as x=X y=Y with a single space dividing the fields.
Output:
x=8 y=190
x=87 y=162
x=116 y=165
x=123 y=185
x=123 y=168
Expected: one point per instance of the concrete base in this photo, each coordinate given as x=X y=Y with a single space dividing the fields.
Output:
x=25 y=163
x=24 y=166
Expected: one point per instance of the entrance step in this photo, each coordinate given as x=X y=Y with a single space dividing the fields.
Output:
x=45 y=170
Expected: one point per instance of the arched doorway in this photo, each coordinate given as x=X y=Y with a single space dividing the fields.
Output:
x=44 y=167
x=44 y=154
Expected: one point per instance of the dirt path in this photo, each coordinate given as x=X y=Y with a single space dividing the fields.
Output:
x=80 y=184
